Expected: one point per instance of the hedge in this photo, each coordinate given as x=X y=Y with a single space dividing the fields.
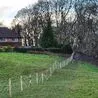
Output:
x=39 y=50
x=66 y=50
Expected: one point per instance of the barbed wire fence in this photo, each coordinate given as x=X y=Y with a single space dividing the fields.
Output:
x=23 y=82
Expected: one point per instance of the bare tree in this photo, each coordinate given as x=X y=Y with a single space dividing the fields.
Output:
x=84 y=32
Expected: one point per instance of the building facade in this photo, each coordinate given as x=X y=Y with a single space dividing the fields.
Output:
x=9 y=37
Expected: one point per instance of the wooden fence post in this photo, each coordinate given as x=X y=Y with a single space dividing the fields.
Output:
x=30 y=81
x=53 y=67
x=47 y=74
x=10 y=88
x=42 y=77
x=50 y=71
x=21 y=84
x=55 y=62
x=37 y=78
x=64 y=64
x=60 y=65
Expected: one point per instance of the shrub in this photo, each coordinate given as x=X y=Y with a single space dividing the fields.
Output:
x=37 y=50
x=6 y=49
x=25 y=50
x=9 y=49
x=65 y=49
x=22 y=50
x=1 y=49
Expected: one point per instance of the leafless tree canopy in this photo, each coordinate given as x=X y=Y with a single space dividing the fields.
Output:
x=75 y=22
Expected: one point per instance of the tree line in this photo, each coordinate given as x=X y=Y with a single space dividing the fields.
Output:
x=72 y=22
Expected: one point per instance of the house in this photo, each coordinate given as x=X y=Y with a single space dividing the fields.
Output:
x=9 y=37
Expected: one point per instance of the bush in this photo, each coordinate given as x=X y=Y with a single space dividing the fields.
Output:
x=1 y=50
x=37 y=50
x=25 y=50
x=22 y=50
x=6 y=49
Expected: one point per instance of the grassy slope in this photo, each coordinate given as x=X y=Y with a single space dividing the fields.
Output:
x=77 y=80
x=15 y=64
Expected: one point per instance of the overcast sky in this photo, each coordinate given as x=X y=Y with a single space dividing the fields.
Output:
x=9 y=8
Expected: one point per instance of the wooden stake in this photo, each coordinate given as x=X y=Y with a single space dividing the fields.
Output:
x=37 y=78
x=53 y=67
x=10 y=88
x=64 y=64
x=30 y=81
x=60 y=66
x=55 y=62
x=50 y=71
x=21 y=84
x=42 y=77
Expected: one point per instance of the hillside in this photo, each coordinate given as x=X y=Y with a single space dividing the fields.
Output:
x=15 y=64
x=77 y=80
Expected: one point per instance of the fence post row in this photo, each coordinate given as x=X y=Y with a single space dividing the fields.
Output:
x=51 y=70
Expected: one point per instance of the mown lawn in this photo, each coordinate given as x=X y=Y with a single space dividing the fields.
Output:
x=76 y=80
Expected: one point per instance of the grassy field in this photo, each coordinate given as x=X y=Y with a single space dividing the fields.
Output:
x=15 y=64
x=76 y=80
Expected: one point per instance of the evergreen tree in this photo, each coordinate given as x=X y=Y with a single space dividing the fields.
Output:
x=47 y=39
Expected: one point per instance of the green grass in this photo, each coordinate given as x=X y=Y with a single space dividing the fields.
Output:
x=76 y=80
x=15 y=64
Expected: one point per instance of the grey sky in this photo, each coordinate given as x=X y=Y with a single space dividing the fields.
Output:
x=9 y=8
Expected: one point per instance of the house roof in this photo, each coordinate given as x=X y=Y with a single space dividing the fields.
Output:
x=8 y=33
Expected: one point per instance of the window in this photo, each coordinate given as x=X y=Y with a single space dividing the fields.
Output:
x=15 y=39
